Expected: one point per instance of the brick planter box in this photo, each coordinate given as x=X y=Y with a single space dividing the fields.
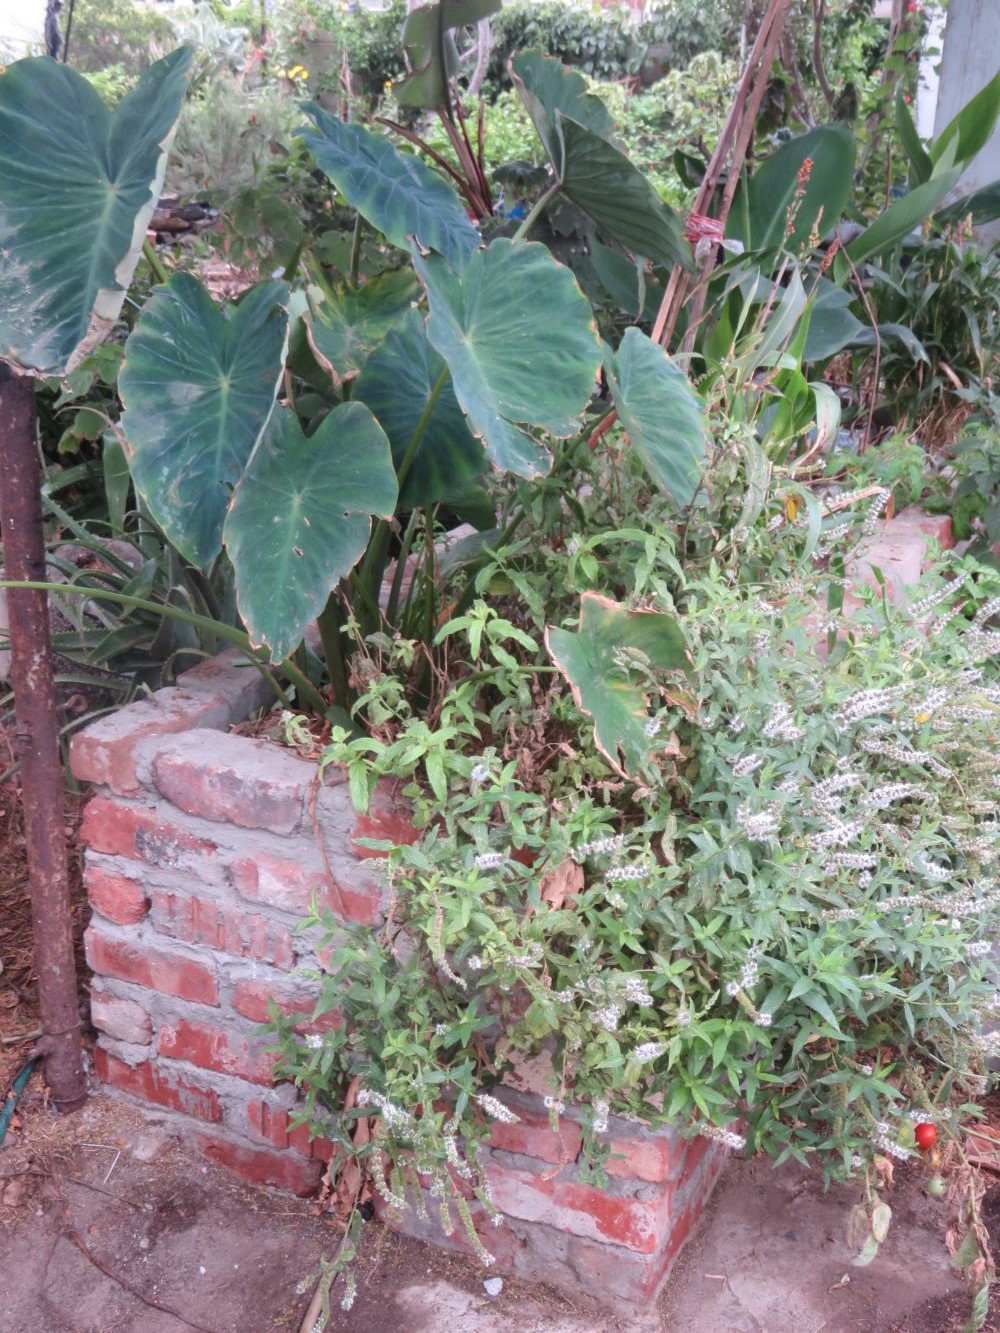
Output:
x=203 y=851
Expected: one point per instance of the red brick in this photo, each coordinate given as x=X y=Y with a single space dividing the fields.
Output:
x=262 y=1166
x=292 y=885
x=211 y=1047
x=225 y=927
x=105 y=752
x=252 y=1000
x=533 y=1137
x=138 y=831
x=156 y=969
x=119 y=898
x=123 y=1020
x=235 y=780
x=653 y=1158
x=582 y=1210
x=387 y=820
x=271 y=1124
x=152 y=1084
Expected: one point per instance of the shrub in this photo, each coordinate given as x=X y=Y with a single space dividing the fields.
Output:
x=777 y=935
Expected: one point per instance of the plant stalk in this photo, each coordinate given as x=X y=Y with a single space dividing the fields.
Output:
x=539 y=208
x=36 y=738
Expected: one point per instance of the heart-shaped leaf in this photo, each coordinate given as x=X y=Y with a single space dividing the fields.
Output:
x=198 y=384
x=663 y=415
x=301 y=518
x=546 y=86
x=398 y=383
x=346 y=324
x=397 y=194
x=593 y=660
x=575 y=127
x=78 y=185
x=604 y=183
x=519 y=339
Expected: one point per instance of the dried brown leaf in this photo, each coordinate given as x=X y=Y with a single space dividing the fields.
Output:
x=561 y=882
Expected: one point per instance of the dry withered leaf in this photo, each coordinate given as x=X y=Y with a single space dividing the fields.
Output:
x=561 y=882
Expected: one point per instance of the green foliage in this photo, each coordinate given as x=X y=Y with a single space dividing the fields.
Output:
x=976 y=507
x=946 y=291
x=226 y=139
x=323 y=37
x=108 y=33
x=785 y=923
x=60 y=296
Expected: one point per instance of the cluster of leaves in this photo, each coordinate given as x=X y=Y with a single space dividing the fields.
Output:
x=714 y=877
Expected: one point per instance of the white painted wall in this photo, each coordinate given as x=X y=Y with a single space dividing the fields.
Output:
x=970 y=59
x=21 y=25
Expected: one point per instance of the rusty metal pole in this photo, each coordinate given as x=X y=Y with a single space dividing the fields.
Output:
x=37 y=741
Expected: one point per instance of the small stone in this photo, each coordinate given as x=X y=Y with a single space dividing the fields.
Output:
x=144 y=1244
x=493 y=1286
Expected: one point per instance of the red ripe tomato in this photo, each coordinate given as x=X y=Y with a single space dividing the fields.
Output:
x=925 y=1135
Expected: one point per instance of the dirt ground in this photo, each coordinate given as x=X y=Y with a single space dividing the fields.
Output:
x=107 y=1225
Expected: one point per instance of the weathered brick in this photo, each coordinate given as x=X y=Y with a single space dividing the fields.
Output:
x=252 y=1000
x=387 y=820
x=119 y=898
x=533 y=1137
x=162 y=1087
x=291 y=886
x=212 y=1047
x=234 y=780
x=582 y=1210
x=222 y=926
x=140 y=832
x=106 y=752
x=123 y=1020
x=232 y=677
x=156 y=969
x=262 y=1166
x=641 y=1155
x=271 y=1124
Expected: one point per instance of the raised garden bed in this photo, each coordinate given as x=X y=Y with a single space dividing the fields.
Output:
x=203 y=851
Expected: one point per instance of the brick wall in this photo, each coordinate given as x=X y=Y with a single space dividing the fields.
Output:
x=203 y=851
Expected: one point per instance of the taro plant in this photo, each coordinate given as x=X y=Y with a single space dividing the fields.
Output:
x=314 y=435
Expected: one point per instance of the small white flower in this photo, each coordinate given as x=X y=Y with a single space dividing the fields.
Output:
x=496 y=1108
x=648 y=1051
x=488 y=860
x=480 y=774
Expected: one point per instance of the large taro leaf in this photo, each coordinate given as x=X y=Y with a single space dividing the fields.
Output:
x=345 y=324
x=394 y=191
x=519 y=339
x=663 y=415
x=615 y=696
x=785 y=192
x=301 y=518
x=575 y=127
x=604 y=183
x=78 y=184
x=546 y=86
x=430 y=48
x=397 y=383
x=198 y=385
